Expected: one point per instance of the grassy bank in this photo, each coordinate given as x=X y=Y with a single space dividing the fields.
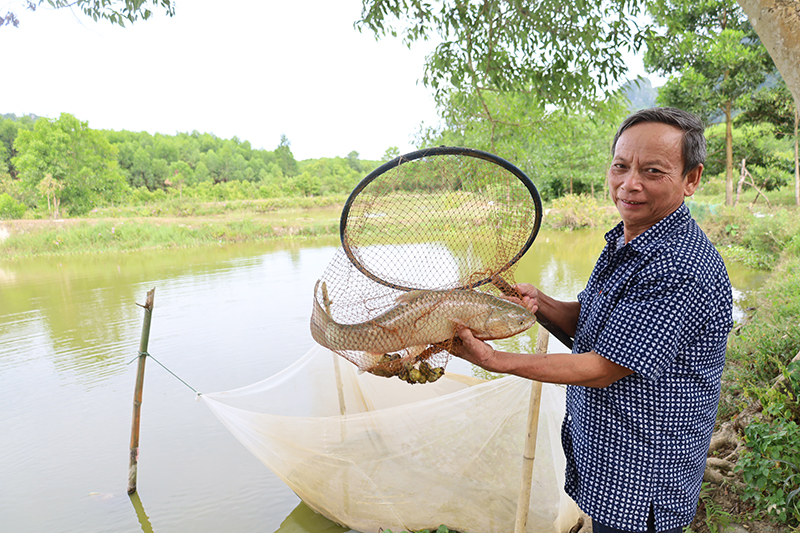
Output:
x=124 y=235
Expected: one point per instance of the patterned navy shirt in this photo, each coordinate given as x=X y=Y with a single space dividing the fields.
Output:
x=660 y=306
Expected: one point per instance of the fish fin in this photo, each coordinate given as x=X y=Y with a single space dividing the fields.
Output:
x=458 y=322
x=374 y=359
x=414 y=351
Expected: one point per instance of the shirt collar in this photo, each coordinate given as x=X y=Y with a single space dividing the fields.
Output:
x=667 y=225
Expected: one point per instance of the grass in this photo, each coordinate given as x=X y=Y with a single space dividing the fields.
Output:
x=89 y=236
x=192 y=207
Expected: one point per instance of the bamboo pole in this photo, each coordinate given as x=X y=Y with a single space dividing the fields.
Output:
x=529 y=453
x=137 y=395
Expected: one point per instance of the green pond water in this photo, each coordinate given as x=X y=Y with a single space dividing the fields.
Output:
x=224 y=317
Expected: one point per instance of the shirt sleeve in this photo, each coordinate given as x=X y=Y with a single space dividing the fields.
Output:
x=644 y=331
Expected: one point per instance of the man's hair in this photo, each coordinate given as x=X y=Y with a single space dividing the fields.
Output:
x=693 y=149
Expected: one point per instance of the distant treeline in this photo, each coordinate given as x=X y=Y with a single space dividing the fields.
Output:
x=64 y=162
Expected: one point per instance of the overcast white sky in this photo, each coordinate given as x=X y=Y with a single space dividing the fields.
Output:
x=251 y=69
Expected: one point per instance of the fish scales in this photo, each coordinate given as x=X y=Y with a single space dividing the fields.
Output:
x=420 y=318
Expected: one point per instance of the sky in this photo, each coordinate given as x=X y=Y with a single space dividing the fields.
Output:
x=256 y=70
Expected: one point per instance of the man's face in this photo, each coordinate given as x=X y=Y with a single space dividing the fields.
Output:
x=646 y=176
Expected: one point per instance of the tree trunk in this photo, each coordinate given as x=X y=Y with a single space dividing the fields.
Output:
x=728 y=156
x=740 y=184
x=796 y=158
x=777 y=23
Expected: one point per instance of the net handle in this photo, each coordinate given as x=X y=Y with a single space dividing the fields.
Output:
x=437 y=151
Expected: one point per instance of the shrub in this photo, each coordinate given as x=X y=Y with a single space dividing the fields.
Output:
x=771 y=465
x=579 y=211
x=10 y=208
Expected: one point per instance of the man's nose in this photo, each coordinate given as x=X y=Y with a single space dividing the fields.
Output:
x=632 y=181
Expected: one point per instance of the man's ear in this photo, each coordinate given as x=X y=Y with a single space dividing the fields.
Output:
x=692 y=180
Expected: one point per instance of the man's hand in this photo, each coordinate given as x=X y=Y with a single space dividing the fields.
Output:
x=473 y=350
x=530 y=296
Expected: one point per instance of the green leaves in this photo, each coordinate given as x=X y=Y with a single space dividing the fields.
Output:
x=711 y=50
x=116 y=11
x=771 y=465
x=566 y=51
x=76 y=161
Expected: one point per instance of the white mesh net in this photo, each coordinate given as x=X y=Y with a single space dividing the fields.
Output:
x=372 y=453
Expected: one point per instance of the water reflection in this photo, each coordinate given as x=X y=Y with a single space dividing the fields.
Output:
x=304 y=520
x=144 y=520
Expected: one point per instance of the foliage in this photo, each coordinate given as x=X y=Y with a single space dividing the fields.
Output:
x=768 y=158
x=190 y=166
x=772 y=104
x=758 y=237
x=716 y=519
x=81 y=160
x=566 y=52
x=574 y=211
x=714 y=56
x=191 y=158
x=114 y=11
x=562 y=151
x=763 y=346
x=10 y=208
x=771 y=465
x=10 y=125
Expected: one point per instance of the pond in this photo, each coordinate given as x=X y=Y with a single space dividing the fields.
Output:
x=224 y=317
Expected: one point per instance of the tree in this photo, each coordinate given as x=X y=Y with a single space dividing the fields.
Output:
x=52 y=190
x=285 y=158
x=353 y=161
x=556 y=46
x=561 y=150
x=563 y=51
x=114 y=11
x=775 y=106
x=390 y=153
x=715 y=59
x=10 y=126
x=79 y=159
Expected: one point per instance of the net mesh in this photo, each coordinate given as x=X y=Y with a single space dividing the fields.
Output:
x=429 y=240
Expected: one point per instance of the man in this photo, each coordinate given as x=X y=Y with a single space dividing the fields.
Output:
x=650 y=331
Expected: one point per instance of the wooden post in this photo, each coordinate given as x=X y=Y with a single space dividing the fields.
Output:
x=137 y=395
x=529 y=453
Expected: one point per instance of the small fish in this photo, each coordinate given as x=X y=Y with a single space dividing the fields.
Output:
x=420 y=318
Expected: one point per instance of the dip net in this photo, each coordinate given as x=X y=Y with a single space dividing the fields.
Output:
x=450 y=220
x=372 y=453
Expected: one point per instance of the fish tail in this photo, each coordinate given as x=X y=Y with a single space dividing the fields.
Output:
x=320 y=321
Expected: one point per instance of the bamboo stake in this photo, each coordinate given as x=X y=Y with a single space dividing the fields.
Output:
x=529 y=453
x=137 y=395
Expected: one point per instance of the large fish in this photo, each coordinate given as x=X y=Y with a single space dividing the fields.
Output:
x=420 y=318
